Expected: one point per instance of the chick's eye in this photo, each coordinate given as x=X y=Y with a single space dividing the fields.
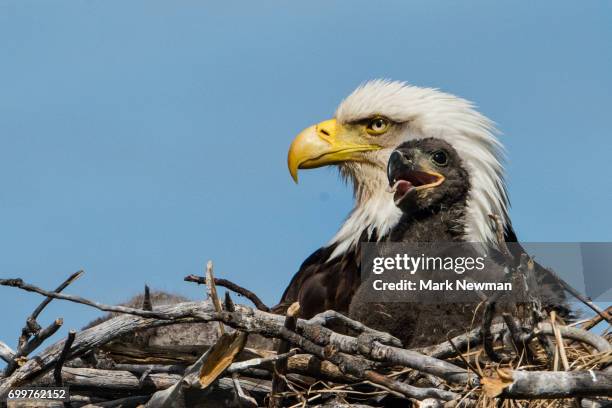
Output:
x=377 y=126
x=439 y=158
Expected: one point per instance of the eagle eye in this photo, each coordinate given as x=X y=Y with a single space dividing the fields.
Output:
x=440 y=158
x=377 y=126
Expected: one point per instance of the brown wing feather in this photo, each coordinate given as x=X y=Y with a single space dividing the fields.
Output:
x=321 y=285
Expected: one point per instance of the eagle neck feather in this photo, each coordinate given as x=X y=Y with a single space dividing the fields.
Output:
x=374 y=212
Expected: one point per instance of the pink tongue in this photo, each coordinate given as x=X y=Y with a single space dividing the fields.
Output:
x=402 y=187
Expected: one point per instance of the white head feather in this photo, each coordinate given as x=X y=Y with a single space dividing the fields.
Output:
x=423 y=112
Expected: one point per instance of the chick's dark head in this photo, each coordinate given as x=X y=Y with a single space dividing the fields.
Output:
x=425 y=174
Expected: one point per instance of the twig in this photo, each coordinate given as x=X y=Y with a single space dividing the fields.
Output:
x=146 y=301
x=32 y=327
x=410 y=391
x=257 y=362
x=228 y=303
x=151 y=368
x=212 y=293
x=33 y=343
x=559 y=338
x=233 y=287
x=241 y=398
x=467 y=363
x=280 y=366
x=143 y=377
x=6 y=353
x=331 y=316
x=589 y=324
x=461 y=342
x=57 y=372
x=18 y=283
x=574 y=333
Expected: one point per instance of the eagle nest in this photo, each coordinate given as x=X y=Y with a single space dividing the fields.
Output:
x=145 y=355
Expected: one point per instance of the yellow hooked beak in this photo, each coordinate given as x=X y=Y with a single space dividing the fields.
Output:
x=328 y=142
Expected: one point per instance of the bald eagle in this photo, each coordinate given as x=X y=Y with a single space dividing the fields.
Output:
x=378 y=116
x=430 y=184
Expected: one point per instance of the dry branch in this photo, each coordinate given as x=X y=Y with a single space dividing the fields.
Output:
x=32 y=344
x=574 y=333
x=212 y=293
x=6 y=353
x=233 y=287
x=280 y=366
x=57 y=372
x=19 y=283
x=32 y=327
x=552 y=384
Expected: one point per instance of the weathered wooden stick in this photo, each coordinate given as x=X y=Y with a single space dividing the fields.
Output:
x=589 y=324
x=119 y=381
x=33 y=343
x=258 y=362
x=127 y=353
x=6 y=353
x=462 y=342
x=331 y=316
x=212 y=293
x=151 y=368
x=18 y=283
x=110 y=380
x=220 y=356
x=134 y=358
x=146 y=300
x=57 y=372
x=280 y=366
x=574 y=333
x=409 y=390
x=549 y=384
x=242 y=399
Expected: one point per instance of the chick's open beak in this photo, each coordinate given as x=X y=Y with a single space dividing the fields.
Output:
x=410 y=173
x=326 y=143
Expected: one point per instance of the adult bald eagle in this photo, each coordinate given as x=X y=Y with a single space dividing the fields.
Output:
x=378 y=116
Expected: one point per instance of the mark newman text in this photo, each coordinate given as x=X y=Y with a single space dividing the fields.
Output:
x=431 y=285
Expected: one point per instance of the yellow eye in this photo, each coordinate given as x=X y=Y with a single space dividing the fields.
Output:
x=377 y=126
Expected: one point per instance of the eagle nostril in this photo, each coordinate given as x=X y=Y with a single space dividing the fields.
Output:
x=325 y=132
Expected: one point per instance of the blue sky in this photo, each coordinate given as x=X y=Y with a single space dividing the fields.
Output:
x=140 y=139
